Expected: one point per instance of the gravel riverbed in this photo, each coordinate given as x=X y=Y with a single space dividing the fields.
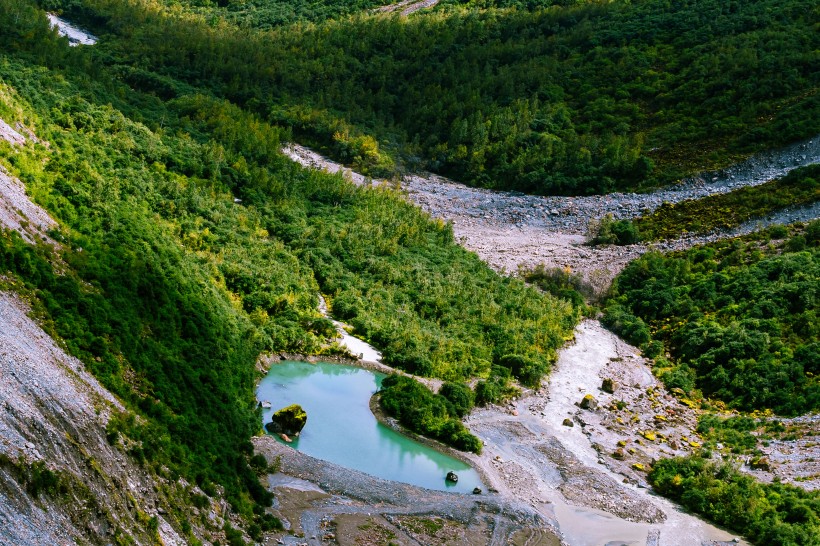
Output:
x=588 y=477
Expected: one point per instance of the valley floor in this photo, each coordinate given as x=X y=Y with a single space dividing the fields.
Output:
x=586 y=480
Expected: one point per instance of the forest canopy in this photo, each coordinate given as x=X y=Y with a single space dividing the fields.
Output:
x=576 y=98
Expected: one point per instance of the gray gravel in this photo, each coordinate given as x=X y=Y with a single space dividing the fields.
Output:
x=449 y=200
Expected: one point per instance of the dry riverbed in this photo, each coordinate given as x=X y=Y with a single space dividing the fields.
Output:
x=584 y=470
x=510 y=230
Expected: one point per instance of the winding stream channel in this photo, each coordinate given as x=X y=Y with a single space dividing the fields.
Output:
x=530 y=455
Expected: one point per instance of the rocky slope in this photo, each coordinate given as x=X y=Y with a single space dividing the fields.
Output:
x=63 y=478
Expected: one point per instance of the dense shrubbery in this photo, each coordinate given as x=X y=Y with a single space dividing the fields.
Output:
x=609 y=231
x=561 y=283
x=739 y=319
x=728 y=210
x=580 y=98
x=738 y=434
x=421 y=411
x=771 y=514
x=495 y=388
x=168 y=288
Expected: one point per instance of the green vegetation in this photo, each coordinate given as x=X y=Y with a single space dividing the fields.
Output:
x=738 y=318
x=188 y=245
x=575 y=99
x=561 y=283
x=495 y=388
x=772 y=514
x=739 y=434
x=728 y=210
x=609 y=231
x=461 y=398
x=421 y=411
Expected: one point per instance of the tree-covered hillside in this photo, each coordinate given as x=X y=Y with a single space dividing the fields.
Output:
x=738 y=318
x=565 y=99
x=189 y=245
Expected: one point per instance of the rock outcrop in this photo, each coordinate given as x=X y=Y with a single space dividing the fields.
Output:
x=289 y=421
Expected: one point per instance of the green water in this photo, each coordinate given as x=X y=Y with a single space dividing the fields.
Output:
x=341 y=428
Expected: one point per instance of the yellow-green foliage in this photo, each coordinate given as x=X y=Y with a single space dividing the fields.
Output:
x=728 y=210
x=189 y=245
x=764 y=513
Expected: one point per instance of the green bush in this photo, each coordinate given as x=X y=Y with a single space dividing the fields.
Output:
x=426 y=413
x=764 y=513
x=460 y=396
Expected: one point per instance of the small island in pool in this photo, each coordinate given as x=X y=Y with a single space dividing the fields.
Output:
x=341 y=428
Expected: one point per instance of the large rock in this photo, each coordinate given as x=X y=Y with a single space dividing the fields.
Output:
x=609 y=385
x=760 y=463
x=290 y=420
x=588 y=402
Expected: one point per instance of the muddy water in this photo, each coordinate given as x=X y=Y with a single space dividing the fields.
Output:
x=342 y=429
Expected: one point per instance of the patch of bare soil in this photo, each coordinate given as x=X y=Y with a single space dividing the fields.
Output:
x=406 y=7
x=361 y=509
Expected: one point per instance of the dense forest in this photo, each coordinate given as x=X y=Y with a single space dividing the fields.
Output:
x=737 y=319
x=588 y=97
x=189 y=245
x=772 y=514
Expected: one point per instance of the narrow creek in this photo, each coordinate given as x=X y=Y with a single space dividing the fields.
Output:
x=341 y=428
x=76 y=36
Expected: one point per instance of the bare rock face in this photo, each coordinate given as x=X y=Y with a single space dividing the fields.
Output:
x=61 y=481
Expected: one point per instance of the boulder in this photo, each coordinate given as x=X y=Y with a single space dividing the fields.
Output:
x=477 y=491
x=760 y=463
x=588 y=402
x=568 y=423
x=290 y=420
x=452 y=477
x=619 y=454
x=609 y=385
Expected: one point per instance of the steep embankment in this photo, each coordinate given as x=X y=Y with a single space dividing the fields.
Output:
x=62 y=479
